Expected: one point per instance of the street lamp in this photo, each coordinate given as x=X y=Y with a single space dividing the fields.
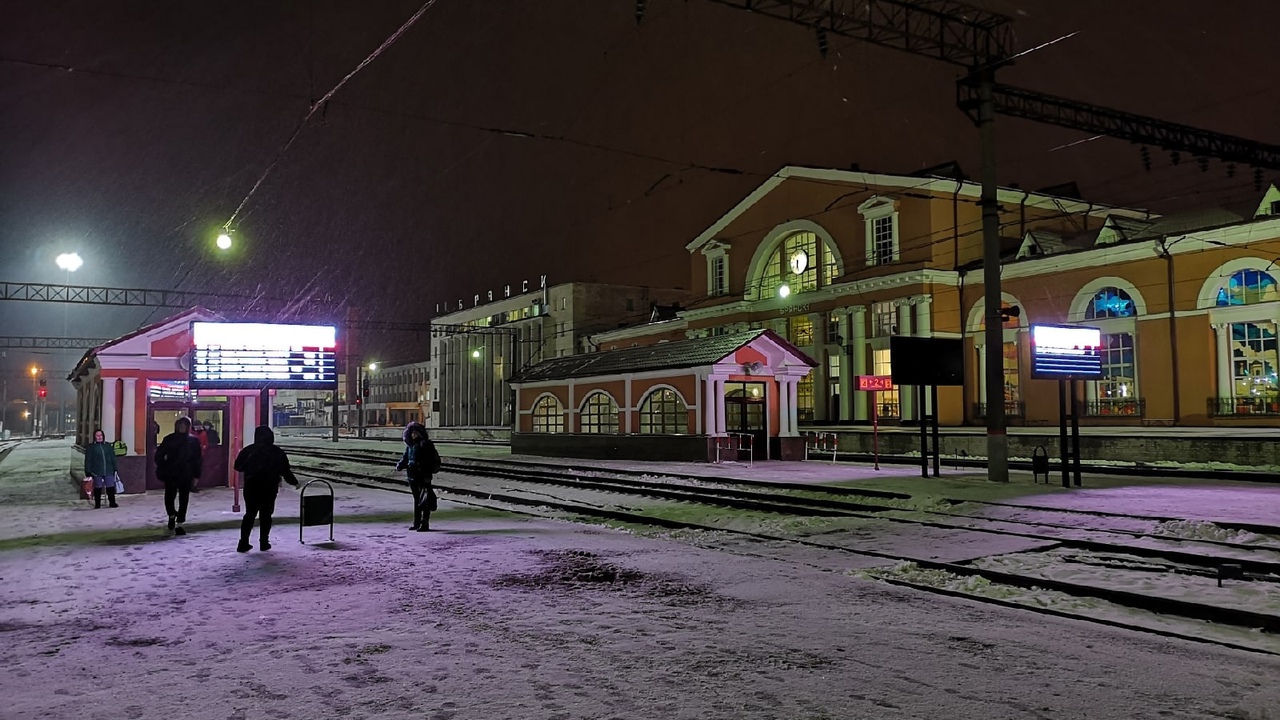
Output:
x=784 y=291
x=475 y=353
x=224 y=241
x=70 y=262
x=373 y=367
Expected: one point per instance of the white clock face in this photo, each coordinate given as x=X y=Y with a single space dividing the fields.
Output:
x=799 y=261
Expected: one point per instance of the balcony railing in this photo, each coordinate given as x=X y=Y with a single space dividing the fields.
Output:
x=1115 y=407
x=1243 y=406
x=1012 y=408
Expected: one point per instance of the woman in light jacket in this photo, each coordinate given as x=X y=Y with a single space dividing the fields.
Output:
x=100 y=464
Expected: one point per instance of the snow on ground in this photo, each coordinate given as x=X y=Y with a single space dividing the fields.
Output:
x=497 y=616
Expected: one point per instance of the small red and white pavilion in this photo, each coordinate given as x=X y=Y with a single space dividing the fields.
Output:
x=666 y=401
x=133 y=388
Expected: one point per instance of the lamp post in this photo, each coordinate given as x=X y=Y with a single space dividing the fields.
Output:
x=69 y=262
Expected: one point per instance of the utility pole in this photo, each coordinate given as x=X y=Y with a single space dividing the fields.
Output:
x=997 y=438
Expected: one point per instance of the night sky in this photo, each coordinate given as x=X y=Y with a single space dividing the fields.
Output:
x=403 y=192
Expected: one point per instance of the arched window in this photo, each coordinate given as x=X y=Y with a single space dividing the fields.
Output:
x=1110 y=302
x=663 y=412
x=1246 y=288
x=548 y=416
x=599 y=414
x=802 y=263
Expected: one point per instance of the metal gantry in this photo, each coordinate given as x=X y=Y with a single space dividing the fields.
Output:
x=50 y=343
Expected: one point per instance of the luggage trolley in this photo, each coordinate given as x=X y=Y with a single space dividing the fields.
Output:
x=315 y=509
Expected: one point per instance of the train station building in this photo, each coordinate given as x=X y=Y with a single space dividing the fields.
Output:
x=836 y=262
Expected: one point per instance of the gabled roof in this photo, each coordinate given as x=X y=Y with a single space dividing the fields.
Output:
x=887 y=184
x=662 y=356
x=195 y=313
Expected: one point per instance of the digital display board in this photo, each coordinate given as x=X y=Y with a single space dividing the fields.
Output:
x=263 y=355
x=874 y=382
x=926 y=360
x=1066 y=352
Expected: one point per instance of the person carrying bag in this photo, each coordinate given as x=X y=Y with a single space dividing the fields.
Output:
x=100 y=470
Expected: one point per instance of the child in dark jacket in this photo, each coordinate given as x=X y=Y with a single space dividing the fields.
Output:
x=421 y=461
x=263 y=465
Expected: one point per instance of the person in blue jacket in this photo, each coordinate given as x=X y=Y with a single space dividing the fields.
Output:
x=100 y=464
x=421 y=461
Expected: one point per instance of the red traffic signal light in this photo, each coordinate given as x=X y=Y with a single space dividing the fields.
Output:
x=44 y=392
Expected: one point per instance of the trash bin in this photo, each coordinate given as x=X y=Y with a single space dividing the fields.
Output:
x=315 y=509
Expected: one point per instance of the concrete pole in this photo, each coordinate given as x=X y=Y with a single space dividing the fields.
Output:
x=997 y=440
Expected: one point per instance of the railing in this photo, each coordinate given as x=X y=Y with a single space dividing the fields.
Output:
x=1244 y=406
x=1012 y=408
x=1116 y=407
x=820 y=443
x=737 y=442
x=890 y=410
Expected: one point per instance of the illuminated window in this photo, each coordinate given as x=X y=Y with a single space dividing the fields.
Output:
x=833 y=329
x=886 y=400
x=663 y=412
x=548 y=416
x=1246 y=288
x=804 y=398
x=800 y=262
x=884 y=319
x=599 y=414
x=801 y=331
x=1119 y=371
x=881 y=234
x=1012 y=379
x=1254 y=361
x=1110 y=302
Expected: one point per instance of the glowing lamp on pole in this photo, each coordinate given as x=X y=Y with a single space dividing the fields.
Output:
x=224 y=241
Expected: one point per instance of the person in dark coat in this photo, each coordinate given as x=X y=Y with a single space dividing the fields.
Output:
x=421 y=461
x=100 y=464
x=263 y=465
x=178 y=466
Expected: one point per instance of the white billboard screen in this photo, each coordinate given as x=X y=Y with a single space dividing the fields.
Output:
x=263 y=355
x=1066 y=352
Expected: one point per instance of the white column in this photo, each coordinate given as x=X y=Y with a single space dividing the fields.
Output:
x=129 y=416
x=110 y=401
x=722 y=423
x=1222 y=335
x=858 y=331
x=906 y=393
x=626 y=385
x=248 y=418
x=820 y=374
x=846 y=364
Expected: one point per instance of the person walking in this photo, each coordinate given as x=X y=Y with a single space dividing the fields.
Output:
x=100 y=464
x=263 y=465
x=421 y=460
x=178 y=466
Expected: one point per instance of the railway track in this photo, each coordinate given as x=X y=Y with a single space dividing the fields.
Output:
x=1261 y=565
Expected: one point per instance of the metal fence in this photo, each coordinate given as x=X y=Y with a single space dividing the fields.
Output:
x=1116 y=407
x=1244 y=406
x=1012 y=408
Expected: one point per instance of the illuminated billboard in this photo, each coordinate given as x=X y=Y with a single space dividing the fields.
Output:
x=263 y=355
x=1066 y=352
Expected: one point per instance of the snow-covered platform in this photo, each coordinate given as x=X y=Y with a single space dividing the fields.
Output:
x=495 y=616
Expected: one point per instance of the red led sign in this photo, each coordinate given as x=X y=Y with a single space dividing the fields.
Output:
x=874 y=382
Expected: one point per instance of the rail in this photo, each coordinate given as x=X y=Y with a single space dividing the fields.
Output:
x=736 y=442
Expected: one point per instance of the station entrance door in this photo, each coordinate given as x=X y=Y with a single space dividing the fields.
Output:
x=746 y=411
x=208 y=424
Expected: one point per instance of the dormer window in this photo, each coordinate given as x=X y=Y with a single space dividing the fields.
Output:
x=881 y=217
x=717 y=254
